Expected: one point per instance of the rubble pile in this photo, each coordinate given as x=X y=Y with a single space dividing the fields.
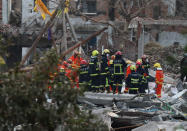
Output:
x=141 y=112
x=169 y=57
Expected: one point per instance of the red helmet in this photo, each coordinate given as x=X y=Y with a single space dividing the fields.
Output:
x=65 y=63
x=144 y=57
x=70 y=61
x=118 y=53
x=84 y=62
x=138 y=63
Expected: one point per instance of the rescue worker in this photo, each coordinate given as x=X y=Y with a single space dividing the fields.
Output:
x=83 y=76
x=128 y=71
x=159 y=78
x=145 y=64
x=141 y=72
x=94 y=71
x=139 y=68
x=133 y=81
x=76 y=60
x=119 y=68
x=104 y=73
x=183 y=67
x=111 y=71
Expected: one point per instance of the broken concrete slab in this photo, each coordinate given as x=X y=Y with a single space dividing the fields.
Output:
x=163 y=126
x=125 y=119
x=103 y=98
x=177 y=96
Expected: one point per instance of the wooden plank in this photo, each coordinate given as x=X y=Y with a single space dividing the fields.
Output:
x=82 y=42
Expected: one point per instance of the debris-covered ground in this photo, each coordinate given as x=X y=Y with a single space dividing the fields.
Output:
x=126 y=112
x=169 y=57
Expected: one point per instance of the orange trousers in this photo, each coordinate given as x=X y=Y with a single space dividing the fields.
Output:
x=158 y=90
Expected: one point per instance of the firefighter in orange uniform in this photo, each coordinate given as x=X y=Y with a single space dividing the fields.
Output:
x=159 y=79
x=76 y=61
x=128 y=71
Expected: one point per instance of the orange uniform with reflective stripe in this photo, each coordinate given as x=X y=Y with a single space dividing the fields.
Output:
x=127 y=73
x=159 y=79
x=76 y=61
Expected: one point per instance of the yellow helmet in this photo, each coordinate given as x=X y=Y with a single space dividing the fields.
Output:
x=129 y=62
x=106 y=51
x=133 y=67
x=157 y=65
x=95 y=53
x=139 y=60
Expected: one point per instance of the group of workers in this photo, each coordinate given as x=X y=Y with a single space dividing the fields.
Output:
x=108 y=73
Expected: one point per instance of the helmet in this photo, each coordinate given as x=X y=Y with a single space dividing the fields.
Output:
x=144 y=57
x=157 y=65
x=106 y=51
x=95 y=53
x=118 y=53
x=113 y=57
x=138 y=62
x=70 y=61
x=129 y=62
x=133 y=67
x=111 y=62
x=65 y=63
x=84 y=62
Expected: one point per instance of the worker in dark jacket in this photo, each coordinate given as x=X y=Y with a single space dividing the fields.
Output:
x=119 y=68
x=111 y=70
x=139 y=68
x=94 y=71
x=141 y=72
x=104 y=73
x=183 y=70
x=145 y=64
x=133 y=81
x=83 y=76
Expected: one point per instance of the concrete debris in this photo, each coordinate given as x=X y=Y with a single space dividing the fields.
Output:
x=180 y=86
x=169 y=57
x=177 y=96
x=141 y=112
x=163 y=126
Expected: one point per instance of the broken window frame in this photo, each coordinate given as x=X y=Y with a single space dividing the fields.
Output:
x=86 y=7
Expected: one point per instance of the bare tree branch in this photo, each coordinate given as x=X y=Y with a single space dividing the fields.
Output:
x=138 y=11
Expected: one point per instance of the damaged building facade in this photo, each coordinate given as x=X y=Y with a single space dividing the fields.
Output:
x=102 y=11
x=160 y=24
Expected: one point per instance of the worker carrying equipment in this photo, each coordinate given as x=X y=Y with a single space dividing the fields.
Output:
x=119 y=68
x=94 y=72
x=133 y=81
x=104 y=73
x=83 y=76
x=159 y=79
x=183 y=68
